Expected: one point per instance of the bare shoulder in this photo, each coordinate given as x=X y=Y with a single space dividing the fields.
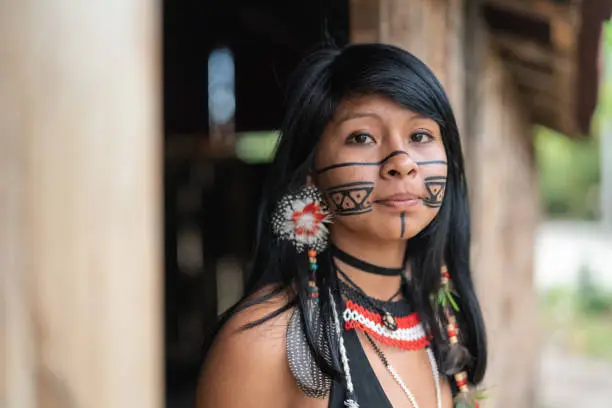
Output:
x=248 y=367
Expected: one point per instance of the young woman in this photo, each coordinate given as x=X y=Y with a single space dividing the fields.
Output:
x=360 y=294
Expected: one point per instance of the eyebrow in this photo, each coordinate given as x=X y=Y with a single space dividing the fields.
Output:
x=357 y=115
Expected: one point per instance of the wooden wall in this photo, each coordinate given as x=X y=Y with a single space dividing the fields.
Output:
x=505 y=209
x=450 y=37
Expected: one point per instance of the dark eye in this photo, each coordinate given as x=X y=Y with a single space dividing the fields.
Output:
x=361 y=138
x=421 y=136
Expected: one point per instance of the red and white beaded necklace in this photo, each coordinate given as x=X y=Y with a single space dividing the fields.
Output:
x=392 y=323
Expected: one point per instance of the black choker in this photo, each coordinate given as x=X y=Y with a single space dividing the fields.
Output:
x=364 y=266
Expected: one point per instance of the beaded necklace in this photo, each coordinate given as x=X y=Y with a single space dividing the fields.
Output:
x=390 y=323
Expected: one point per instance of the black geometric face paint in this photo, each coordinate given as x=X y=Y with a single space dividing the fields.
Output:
x=403 y=224
x=378 y=163
x=350 y=164
x=436 y=185
x=424 y=163
x=351 y=198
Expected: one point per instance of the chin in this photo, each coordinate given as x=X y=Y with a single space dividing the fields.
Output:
x=374 y=227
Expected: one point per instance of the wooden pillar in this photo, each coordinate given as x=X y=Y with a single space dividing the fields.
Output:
x=79 y=221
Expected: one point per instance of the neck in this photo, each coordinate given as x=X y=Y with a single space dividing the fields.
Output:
x=388 y=254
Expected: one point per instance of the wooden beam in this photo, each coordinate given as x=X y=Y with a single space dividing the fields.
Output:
x=564 y=19
x=526 y=50
x=80 y=233
x=550 y=111
x=530 y=77
x=541 y=9
x=564 y=35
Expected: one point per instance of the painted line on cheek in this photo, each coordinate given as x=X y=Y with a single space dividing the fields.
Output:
x=353 y=184
x=424 y=163
x=403 y=224
x=348 y=164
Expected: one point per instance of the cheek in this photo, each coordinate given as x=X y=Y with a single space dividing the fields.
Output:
x=435 y=179
x=348 y=191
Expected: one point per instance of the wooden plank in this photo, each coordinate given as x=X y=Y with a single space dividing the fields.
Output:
x=563 y=35
x=564 y=19
x=526 y=50
x=81 y=176
x=541 y=9
x=532 y=78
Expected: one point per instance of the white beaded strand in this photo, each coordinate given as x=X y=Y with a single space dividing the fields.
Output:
x=436 y=374
x=343 y=355
x=400 y=382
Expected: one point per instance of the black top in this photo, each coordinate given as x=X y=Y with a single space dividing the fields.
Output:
x=368 y=390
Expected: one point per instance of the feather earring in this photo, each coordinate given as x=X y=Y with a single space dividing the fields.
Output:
x=300 y=219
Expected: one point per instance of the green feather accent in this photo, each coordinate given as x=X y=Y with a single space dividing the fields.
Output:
x=452 y=302
x=446 y=297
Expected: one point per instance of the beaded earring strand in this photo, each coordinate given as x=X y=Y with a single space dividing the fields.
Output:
x=457 y=355
x=300 y=218
x=313 y=289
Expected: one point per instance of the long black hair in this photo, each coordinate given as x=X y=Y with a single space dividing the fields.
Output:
x=320 y=83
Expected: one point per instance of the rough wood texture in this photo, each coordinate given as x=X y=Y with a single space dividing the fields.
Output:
x=552 y=68
x=504 y=199
x=80 y=220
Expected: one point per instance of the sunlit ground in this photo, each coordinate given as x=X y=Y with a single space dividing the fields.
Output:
x=573 y=279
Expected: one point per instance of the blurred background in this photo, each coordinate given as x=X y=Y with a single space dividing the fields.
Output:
x=136 y=137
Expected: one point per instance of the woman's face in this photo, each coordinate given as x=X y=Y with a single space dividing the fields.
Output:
x=382 y=169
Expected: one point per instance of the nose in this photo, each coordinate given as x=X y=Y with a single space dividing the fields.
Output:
x=398 y=164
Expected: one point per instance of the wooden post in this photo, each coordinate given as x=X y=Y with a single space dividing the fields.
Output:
x=80 y=221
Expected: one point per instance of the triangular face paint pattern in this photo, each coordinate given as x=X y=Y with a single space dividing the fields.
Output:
x=351 y=198
x=436 y=187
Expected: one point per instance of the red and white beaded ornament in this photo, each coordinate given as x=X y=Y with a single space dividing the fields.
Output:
x=408 y=334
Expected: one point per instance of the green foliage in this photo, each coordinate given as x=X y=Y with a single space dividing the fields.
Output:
x=569 y=168
x=592 y=300
x=603 y=111
x=568 y=174
x=580 y=319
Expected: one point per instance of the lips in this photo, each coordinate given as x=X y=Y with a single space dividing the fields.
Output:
x=401 y=201
x=400 y=197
